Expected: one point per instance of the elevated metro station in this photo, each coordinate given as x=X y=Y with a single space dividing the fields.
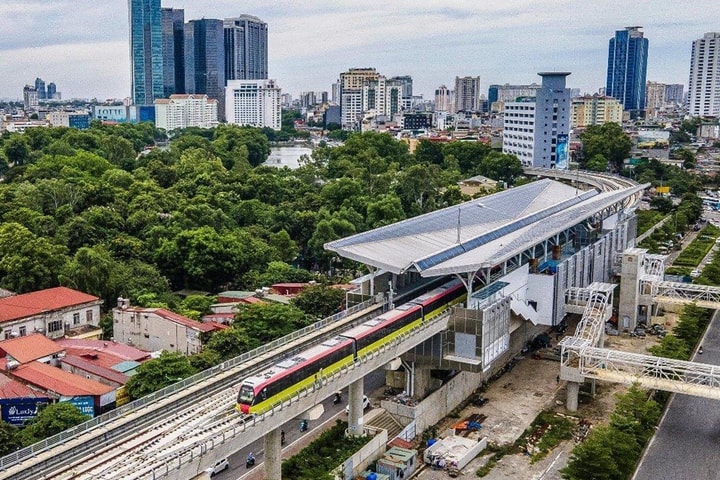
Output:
x=516 y=252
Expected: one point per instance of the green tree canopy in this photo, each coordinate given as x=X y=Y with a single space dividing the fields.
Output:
x=320 y=301
x=158 y=373
x=266 y=322
x=10 y=439
x=51 y=420
x=607 y=140
x=606 y=454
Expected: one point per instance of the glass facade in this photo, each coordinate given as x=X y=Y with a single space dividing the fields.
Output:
x=627 y=68
x=246 y=48
x=146 y=51
x=173 y=44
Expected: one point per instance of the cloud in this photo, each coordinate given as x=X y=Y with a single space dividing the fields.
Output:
x=84 y=43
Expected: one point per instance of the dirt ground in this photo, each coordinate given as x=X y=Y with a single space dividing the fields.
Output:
x=517 y=397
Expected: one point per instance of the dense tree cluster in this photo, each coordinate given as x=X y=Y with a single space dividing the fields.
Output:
x=605 y=144
x=88 y=210
x=610 y=451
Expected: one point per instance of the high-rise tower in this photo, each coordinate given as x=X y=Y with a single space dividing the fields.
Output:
x=704 y=84
x=145 y=51
x=627 y=68
x=173 y=47
x=467 y=94
x=246 y=48
x=205 y=60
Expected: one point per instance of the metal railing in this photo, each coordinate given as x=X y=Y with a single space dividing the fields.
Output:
x=325 y=381
x=62 y=437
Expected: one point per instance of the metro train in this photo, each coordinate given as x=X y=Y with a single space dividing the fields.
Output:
x=291 y=375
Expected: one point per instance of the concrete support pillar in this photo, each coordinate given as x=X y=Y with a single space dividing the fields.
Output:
x=422 y=381
x=573 y=390
x=593 y=386
x=632 y=261
x=273 y=454
x=355 y=415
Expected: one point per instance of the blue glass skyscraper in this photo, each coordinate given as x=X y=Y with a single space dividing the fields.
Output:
x=627 y=68
x=146 y=51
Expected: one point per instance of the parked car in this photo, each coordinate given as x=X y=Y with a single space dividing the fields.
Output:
x=365 y=404
x=219 y=466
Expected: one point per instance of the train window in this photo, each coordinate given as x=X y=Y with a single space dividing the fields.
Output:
x=263 y=393
x=246 y=395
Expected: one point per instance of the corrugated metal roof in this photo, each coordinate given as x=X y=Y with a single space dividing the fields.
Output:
x=465 y=237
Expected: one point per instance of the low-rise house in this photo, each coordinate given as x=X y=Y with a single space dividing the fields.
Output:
x=110 y=363
x=156 y=329
x=89 y=396
x=18 y=402
x=18 y=351
x=54 y=312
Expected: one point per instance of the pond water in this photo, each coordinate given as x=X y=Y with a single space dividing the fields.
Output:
x=286 y=156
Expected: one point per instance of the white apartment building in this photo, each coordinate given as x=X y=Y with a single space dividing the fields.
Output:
x=654 y=95
x=183 y=111
x=155 y=329
x=443 y=99
x=536 y=129
x=595 y=110
x=253 y=102
x=351 y=95
x=704 y=83
x=382 y=97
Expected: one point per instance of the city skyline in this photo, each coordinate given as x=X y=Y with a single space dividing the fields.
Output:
x=83 y=45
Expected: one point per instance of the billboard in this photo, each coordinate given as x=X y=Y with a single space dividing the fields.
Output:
x=17 y=411
x=561 y=152
x=86 y=405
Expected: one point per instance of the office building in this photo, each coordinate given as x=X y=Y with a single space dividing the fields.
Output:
x=173 y=49
x=246 y=48
x=146 y=51
x=595 y=110
x=186 y=110
x=443 y=99
x=508 y=93
x=467 y=94
x=40 y=87
x=674 y=93
x=351 y=95
x=704 y=84
x=536 y=129
x=627 y=68
x=205 y=59
x=253 y=102
x=52 y=93
x=31 y=102
x=70 y=118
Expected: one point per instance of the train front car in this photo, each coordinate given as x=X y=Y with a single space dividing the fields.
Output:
x=246 y=397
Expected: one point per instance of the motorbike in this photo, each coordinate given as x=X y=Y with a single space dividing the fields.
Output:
x=282 y=437
x=337 y=398
x=303 y=425
x=250 y=462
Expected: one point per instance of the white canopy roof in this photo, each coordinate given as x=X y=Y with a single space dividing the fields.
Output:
x=479 y=233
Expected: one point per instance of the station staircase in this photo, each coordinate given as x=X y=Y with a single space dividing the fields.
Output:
x=583 y=355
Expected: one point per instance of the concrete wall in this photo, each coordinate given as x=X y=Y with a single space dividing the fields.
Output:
x=360 y=461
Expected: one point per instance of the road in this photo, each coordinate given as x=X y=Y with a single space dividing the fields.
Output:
x=237 y=470
x=688 y=437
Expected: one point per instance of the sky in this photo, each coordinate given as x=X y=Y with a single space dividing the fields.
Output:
x=82 y=45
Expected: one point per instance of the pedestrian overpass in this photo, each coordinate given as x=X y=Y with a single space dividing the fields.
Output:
x=583 y=357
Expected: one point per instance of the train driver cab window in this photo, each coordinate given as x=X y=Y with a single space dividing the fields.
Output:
x=246 y=395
